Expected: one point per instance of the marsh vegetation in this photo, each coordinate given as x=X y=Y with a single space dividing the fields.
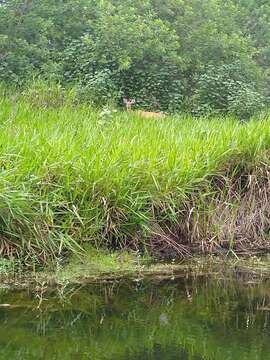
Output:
x=111 y=220
x=78 y=173
x=76 y=176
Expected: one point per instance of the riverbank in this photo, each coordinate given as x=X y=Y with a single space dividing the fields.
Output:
x=99 y=266
x=174 y=188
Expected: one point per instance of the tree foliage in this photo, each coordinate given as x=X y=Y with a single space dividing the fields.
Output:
x=184 y=55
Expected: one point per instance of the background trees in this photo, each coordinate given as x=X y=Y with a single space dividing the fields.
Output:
x=185 y=55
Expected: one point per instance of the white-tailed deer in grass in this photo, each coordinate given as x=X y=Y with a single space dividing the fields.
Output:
x=128 y=102
x=147 y=114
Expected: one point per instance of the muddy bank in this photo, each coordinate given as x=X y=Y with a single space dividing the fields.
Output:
x=231 y=215
x=249 y=270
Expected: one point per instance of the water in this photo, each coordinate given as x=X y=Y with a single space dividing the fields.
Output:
x=158 y=320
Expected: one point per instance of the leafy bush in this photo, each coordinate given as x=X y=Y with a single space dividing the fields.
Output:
x=246 y=102
x=170 y=55
x=227 y=89
x=154 y=87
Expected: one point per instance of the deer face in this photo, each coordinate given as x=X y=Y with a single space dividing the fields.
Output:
x=128 y=102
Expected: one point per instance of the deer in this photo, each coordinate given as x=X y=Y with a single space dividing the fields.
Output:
x=146 y=114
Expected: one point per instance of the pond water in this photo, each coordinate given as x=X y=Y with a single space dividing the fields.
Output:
x=183 y=319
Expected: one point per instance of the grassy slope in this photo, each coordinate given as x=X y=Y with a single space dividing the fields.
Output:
x=69 y=176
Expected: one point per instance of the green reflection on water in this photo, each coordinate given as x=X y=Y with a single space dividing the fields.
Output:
x=183 y=319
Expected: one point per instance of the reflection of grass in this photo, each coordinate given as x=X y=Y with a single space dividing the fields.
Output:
x=218 y=321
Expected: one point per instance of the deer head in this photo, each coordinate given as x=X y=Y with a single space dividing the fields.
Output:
x=128 y=102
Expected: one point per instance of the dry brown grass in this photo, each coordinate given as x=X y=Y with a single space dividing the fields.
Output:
x=235 y=218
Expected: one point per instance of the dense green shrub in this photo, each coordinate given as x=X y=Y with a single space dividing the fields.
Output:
x=227 y=89
x=170 y=55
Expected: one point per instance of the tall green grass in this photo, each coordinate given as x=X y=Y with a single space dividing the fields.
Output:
x=72 y=175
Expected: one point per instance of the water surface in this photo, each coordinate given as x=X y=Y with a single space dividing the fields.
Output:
x=183 y=319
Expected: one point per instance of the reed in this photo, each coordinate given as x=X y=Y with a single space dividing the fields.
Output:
x=72 y=176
